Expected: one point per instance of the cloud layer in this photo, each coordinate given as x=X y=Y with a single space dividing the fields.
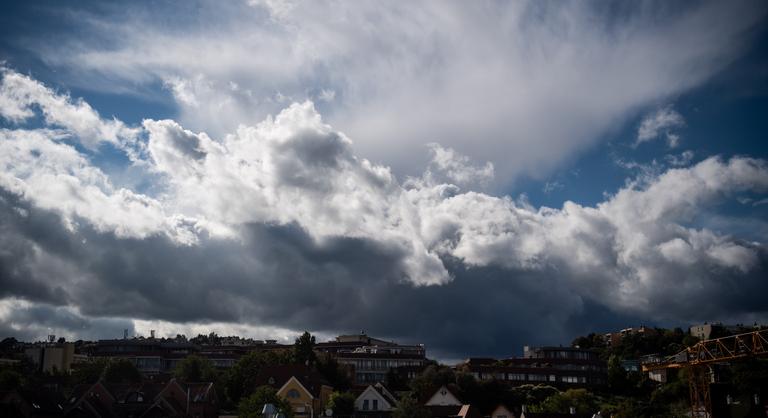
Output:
x=282 y=225
x=523 y=85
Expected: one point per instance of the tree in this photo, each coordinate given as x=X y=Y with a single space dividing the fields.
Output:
x=195 y=369
x=240 y=379
x=89 y=372
x=431 y=378
x=617 y=376
x=304 y=349
x=409 y=407
x=585 y=402
x=121 y=371
x=336 y=374
x=251 y=406
x=342 y=404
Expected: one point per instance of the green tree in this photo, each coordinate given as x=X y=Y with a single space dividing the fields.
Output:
x=89 y=372
x=304 y=349
x=617 y=376
x=121 y=371
x=409 y=407
x=240 y=379
x=342 y=404
x=251 y=406
x=338 y=375
x=584 y=401
x=432 y=378
x=195 y=369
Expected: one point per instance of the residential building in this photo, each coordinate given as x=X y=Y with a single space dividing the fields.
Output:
x=371 y=358
x=375 y=401
x=159 y=356
x=50 y=357
x=443 y=396
x=146 y=399
x=301 y=386
x=502 y=411
x=557 y=366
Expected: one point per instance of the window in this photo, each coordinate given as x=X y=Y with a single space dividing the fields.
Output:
x=365 y=404
x=375 y=404
x=293 y=394
x=516 y=376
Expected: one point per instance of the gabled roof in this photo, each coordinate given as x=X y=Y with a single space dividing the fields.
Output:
x=451 y=390
x=298 y=382
x=278 y=376
x=386 y=394
x=379 y=393
x=42 y=401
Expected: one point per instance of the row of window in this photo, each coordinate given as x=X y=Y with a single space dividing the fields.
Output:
x=530 y=377
x=385 y=364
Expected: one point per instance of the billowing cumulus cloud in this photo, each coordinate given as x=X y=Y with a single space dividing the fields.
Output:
x=282 y=226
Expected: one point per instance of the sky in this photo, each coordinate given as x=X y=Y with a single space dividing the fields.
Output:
x=473 y=176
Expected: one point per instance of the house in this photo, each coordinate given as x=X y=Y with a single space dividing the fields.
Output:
x=29 y=403
x=443 y=397
x=147 y=399
x=502 y=411
x=375 y=399
x=301 y=386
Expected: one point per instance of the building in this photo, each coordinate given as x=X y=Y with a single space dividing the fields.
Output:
x=375 y=401
x=371 y=359
x=703 y=331
x=301 y=386
x=614 y=338
x=557 y=366
x=158 y=356
x=146 y=399
x=50 y=357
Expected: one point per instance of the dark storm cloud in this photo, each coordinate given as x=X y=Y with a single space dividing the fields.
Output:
x=281 y=276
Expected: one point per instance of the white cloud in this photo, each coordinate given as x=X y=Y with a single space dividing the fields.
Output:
x=295 y=170
x=660 y=122
x=19 y=93
x=449 y=165
x=522 y=85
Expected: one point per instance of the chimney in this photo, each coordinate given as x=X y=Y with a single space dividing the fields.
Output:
x=125 y=333
x=152 y=334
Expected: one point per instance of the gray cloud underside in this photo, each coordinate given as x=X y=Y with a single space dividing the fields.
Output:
x=281 y=224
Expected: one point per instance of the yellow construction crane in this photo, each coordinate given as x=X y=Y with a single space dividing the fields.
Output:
x=698 y=359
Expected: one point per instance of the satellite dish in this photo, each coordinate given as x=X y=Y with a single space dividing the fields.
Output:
x=329 y=412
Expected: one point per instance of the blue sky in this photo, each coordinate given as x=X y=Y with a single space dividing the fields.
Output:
x=421 y=159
